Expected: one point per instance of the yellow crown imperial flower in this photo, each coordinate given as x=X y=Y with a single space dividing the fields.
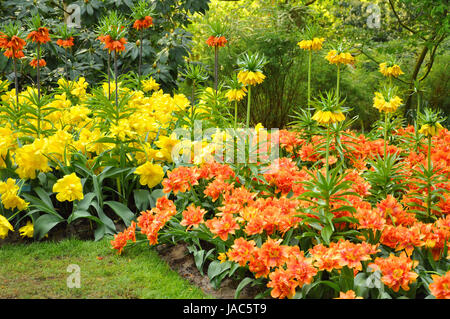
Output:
x=380 y=103
x=389 y=71
x=68 y=188
x=315 y=44
x=150 y=174
x=430 y=130
x=334 y=57
x=250 y=77
x=236 y=94
x=328 y=117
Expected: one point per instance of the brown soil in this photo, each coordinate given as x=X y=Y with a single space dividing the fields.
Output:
x=179 y=260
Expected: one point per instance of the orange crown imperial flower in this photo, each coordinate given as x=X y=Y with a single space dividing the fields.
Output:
x=216 y=41
x=34 y=63
x=41 y=35
x=114 y=45
x=9 y=53
x=65 y=43
x=143 y=23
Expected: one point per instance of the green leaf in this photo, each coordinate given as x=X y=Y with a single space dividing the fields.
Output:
x=82 y=214
x=244 y=282
x=142 y=199
x=326 y=233
x=123 y=211
x=44 y=223
x=215 y=268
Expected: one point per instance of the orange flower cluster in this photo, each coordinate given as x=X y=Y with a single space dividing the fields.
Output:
x=65 y=43
x=341 y=254
x=181 y=179
x=41 y=35
x=121 y=239
x=13 y=46
x=440 y=287
x=193 y=216
x=143 y=23
x=34 y=63
x=397 y=271
x=152 y=221
x=216 y=41
x=113 y=44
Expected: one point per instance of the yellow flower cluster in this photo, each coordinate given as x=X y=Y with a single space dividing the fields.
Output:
x=10 y=199
x=315 y=44
x=73 y=128
x=150 y=85
x=339 y=58
x=389 y=71
x=236 y=94
x=150 y=174
x=68 y=188
x=5 y=227
x=328 y=117
x=250 y=77
x=430 y=130
x=380 y=103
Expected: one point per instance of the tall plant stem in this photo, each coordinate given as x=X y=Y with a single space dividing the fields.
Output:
x=216 y=67
x=235 y=114
x=192 y=100
x=16 y=81
x=66 y=69
x=38 y=72
x=249 y=99
x=140 y=56
x=109 y=75
x=309 y=79
x=327 y=150
x=386 y=118
x=115 y=79
x=338 y=80
x=429 y=180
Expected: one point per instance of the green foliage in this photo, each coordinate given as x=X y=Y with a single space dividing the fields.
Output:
x=164 y=47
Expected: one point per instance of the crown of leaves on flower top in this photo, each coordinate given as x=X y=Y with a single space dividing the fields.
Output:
x=65 y=36
x=217 y=34
x=329 y=108
x=250 y=68
x=340 y=55
x=387 y=99
x=195 y=72
x=235 y=89
x=11 y=40
x=430 y=121
x=390 y=68
x=311 y=39
x=142 y=14
x=112 y=31
x=39 y=33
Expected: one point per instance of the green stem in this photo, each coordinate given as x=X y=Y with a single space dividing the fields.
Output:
x=140 y=56
x=386 y=117
x=235 y=114
x=115 y=79
x=216 y=67
x=16 y=81
x=429 y=180
x=109 y=75
x=337 y=81
x=38 y=71
x=66 y=69
x=309 y=79
x=248 y=105
x=327 y=149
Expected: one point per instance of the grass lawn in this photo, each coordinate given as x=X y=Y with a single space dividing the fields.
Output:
x=39 y=270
